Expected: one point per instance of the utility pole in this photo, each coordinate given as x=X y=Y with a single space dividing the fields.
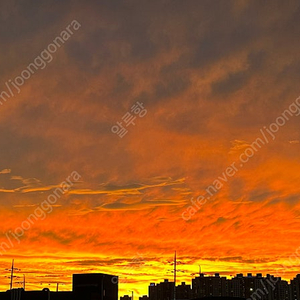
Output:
x=175 y=276
x=12 y=274
x=57 y=285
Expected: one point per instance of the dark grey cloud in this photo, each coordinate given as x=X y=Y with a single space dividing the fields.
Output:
x=87 y=87
x=235 y=81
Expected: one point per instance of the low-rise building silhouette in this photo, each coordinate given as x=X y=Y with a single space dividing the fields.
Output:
x=95 y=286
x=125 y=297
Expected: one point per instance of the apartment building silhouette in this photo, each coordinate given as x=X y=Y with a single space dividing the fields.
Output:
x=254 y=287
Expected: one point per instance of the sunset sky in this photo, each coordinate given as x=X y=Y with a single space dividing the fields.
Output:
x=213 y=76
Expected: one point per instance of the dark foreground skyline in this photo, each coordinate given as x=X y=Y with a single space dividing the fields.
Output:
x=99 y=286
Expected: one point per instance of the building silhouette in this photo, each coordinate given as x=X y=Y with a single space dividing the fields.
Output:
x=95 y=286
x=295 y=288
x=125 y=297
x=251 y=287
x=204 y=286
x=161 y=291
x=152 y=291
x=183 y=291
x=99 y=286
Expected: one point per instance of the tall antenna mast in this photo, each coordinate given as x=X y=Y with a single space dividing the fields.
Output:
x=11 y=274
x=175 y=276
